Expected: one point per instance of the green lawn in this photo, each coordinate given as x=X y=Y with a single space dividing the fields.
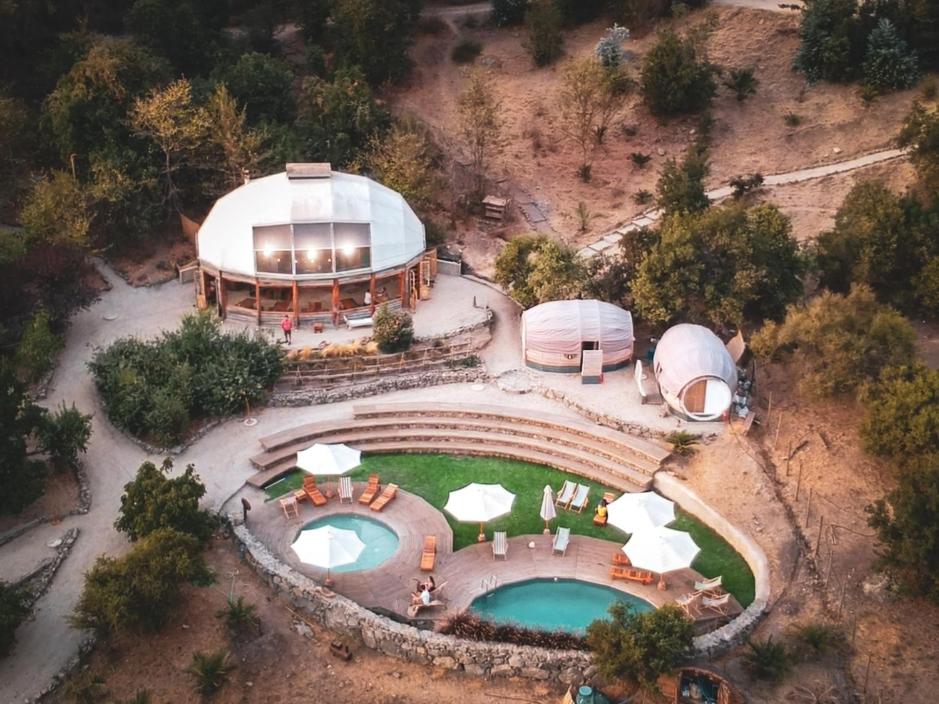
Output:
x=433 y=477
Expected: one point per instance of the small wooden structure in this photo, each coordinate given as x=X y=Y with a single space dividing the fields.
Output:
x=695 y=685
x=591 y=370
x=495 y=208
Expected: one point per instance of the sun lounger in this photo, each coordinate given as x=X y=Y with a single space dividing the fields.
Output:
x=289 y=506
x=315 y=495
x=499 y=545
x=387 y=495
x=631 y=574
x=566 y=494
x=370 y=491
x=689 y=604
x=621 y=559
x=561 y=540
x=345 y=490
x=580 y=498
x=709 y=587
x=719 y=604
x=415 y=609
x=358 y=321
x=429 y=553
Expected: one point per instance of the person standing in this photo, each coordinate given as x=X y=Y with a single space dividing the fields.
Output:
x=287 y=326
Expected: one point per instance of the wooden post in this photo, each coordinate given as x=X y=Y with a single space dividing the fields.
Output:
x=799 y=481
x=257 y=299
x=808 y=507
x=335 y=301
x=372 y=291
x=222 y=296
x=821 y=527
x=296 y=303
x=402 y=286
x=778 y=426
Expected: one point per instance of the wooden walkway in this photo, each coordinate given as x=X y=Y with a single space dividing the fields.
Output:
x=468 y=573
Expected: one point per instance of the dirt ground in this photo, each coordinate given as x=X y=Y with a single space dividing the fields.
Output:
x=288 y=662
x=60 y=497
x=539 y=166
x=153 y=260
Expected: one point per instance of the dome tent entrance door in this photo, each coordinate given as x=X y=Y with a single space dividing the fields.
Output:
x=708 y=397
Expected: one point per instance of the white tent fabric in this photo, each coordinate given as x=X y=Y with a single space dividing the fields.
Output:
x=328 y=460
x=635 y=513
x=226 y=238
x=661 y=550
x=328 y=547
x=688 y=352
x=560 y=326
x=479 y=503
x=548 y=512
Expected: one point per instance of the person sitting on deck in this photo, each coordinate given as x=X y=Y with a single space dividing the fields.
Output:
x=421 y=598
x=430 y=585
x=599 y=517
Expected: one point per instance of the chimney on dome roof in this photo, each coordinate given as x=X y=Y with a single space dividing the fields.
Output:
x=307 y=171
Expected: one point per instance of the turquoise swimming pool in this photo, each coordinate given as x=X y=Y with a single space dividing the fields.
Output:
x=552 y=604
x=380 y=541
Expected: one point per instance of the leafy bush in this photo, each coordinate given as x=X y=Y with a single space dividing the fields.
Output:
x=403 y=158
x=507 y=12
x=470 y=626
x=13 y=611
x=640 y=159
x=839 y=342
x=831 y=41
x=680 y=187
x=86 y=688
x=767 y=660
x=240 y=617
x=889 y=63
x=63 y=434
x=21 y=477
x=393 y=329
x=209 y=671
x=682 y=442
x=137 y=592
x=545 y=42
x=640 y=647
x=38 y=347
x=742 y=83
x=901 y=413
x=153 y=501
x=815 y=639
x=466 y=52
x=920 y=135
x=742 y=185
x=676 y=77
x=792 y=119
x=534 y=269
x=263 y=84
x=155 y=388
x=609 y=49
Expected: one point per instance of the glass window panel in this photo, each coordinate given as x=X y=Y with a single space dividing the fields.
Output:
x=314 y=261
x=272 y=237
x=349 y=258
x=274 y=262
x=316 y=235
x=349 y=234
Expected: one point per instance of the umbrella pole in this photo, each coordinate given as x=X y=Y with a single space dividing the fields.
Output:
x=547 y=529
x=481 y=538
x=662 y=586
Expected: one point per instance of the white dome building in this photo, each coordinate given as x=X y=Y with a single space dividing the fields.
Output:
x=696 y=375
x=312 y=243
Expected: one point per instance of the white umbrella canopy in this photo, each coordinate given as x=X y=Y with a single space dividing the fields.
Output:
x=479 y=503
x=661 y=550
x=328 y=460
x=328 y=547
x=636 y=513
x=548 y=512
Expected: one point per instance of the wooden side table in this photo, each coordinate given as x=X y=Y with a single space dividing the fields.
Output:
x=317 y=327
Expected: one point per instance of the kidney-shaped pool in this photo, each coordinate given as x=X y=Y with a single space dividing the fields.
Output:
x=380 y=541
x=552 y=604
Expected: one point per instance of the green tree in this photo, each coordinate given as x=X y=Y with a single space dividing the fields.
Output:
x=832 y=44
x=535 y=269
x=907 y=525
x=920 y=135
x=375 y=35
x=312 y=16
x=21 y=476
x=676 y=77
x=926 y=286
x=393 y=329
x=889 y=64
x=63 y=434
x=403 y=159
x=901 y=413
x=38 y=348
x=481 y=123
x=640 y=646
x=57 y=211
x=125 y=196
x=180 y=30
x=137 y=592
x=13 y=611
x=16 y=143
x=263 y=84
x=722 y=266
x=337 y=119
x=839 y=342
x=233 y=148
x=508 y=12
x=545 y=42
x=680 y=188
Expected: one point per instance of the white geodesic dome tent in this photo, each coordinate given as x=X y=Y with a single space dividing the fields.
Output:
x=696 y=375
x=555 y=335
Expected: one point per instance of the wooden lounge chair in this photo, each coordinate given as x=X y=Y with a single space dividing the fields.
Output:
x=499 y=545
x=565 y=494
x=621 y=559
x=289 y=506
x=561 y=540
x=709 y=587
x=689 y=604
x=315 y=495
x=580 y=498
x=631 y=574
x=387 y=495
x=609 y=497
x=370 y=491
x=345 y=490
x=429 y=553
x=719 y=604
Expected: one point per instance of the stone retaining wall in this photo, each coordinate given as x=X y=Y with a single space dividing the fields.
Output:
x=348 y=619
x=712 y=644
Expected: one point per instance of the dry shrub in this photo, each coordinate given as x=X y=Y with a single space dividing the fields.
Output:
x=472 y=627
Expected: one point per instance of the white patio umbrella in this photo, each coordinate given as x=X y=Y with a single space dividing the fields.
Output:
x=328 y=460
x=661 y=550
x=548 y=512
x=479 y=503
x=328 y=547
x=635 y=513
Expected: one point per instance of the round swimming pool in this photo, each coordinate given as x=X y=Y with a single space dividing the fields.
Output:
x=548 y=604
x=380 y=541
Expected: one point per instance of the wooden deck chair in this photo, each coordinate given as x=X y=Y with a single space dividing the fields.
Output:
x=719 y=604
x=566 y=494
x=562 y=539
x=315 y=495
x=387 y=495
x=500 y=545
x=580 y=498
x=709 y=587
x=370 y=491
x=689 y=604
x=289 y=506
x=631 y=574
x=345 y=490
x=621 y=559
x=429 y=553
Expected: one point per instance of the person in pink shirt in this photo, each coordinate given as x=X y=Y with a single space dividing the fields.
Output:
x=287 y=327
